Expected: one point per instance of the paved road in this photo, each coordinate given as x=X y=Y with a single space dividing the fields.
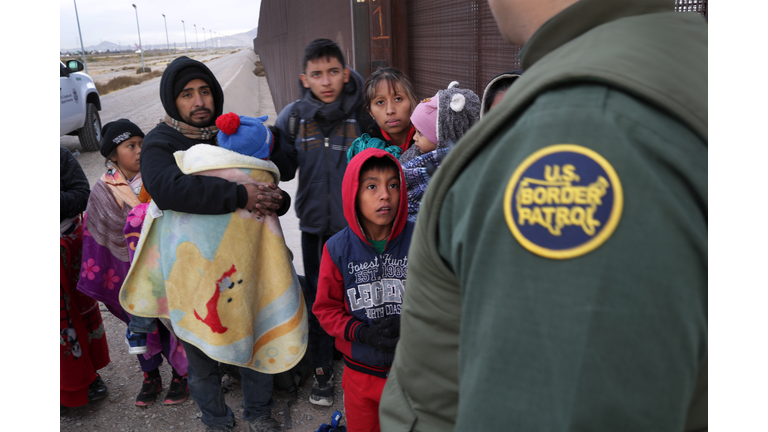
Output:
x=244 y=94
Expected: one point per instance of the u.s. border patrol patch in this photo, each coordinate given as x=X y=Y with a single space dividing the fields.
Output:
x=563 y=201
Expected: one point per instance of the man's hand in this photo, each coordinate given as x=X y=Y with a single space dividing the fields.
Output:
x=264 y=199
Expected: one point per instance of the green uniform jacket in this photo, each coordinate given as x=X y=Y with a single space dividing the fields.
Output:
x=497 y=335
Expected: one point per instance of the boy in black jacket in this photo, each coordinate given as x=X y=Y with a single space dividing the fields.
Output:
x=323 y=123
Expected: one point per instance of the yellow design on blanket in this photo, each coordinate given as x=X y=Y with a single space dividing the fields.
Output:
x=225 y=281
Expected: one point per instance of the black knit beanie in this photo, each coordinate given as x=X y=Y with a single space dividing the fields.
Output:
x=185 y=76
x=115 y=132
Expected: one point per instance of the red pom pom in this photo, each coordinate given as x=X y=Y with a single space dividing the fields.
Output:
x=228 y=123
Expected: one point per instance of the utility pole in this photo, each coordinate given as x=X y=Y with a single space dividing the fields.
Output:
x=186 y=50
x=204 y=42
x=168 y=42
x=141 y=49
x=81 y=37
x=197 y=44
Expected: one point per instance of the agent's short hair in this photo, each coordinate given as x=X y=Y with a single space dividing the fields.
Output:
x=322 y=48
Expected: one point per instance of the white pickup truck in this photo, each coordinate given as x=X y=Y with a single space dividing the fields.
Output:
x=80 y=105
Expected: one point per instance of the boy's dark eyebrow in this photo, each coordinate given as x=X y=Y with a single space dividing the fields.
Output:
x=394 y=177
x=331 y=69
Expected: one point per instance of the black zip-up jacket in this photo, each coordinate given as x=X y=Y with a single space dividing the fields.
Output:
x=320 y=148
x=169 y=187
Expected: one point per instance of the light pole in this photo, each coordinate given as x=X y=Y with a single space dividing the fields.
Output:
x=81 y=37
x=166 y=39
x=205 y=43
x=211 y=33
x=141 y=48
x=186 y=50
x=197 y=44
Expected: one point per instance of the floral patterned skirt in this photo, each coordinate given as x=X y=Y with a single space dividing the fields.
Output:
x=82 y=339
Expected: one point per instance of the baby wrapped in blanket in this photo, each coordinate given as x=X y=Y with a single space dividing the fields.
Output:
x=226 y=282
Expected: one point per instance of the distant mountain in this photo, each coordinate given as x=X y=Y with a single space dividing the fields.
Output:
x=247 y=37
x=239 y=39
x=104 y=46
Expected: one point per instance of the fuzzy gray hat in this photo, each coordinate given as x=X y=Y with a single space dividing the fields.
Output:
x=457 y=111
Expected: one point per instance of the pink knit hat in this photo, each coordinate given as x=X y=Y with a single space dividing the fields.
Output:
x=424 y=117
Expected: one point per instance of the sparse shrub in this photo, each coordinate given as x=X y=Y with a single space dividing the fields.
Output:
x=147 y=69
x=121 y=82
x=259 y=69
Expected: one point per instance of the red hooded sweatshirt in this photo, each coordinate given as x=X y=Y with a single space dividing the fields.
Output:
x=357 y=285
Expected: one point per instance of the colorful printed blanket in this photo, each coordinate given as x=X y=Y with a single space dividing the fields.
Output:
x=106 y=256
x=226 y=282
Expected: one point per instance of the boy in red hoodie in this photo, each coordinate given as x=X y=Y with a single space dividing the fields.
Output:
x=362 y=280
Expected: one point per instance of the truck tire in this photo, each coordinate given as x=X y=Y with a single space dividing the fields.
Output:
x=90 y=133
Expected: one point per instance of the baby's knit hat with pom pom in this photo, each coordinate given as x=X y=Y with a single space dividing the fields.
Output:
x=245 y=135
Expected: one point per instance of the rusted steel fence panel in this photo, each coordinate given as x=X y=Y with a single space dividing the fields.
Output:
x=285 y=29
x=443 y=41
x=455 y=40
x=699 y=6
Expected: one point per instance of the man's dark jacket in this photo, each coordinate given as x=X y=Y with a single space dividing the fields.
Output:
x=169 y=187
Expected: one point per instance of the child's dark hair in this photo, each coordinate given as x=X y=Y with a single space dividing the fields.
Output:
x=322 y=48
x=379 y=164
x=394 y=79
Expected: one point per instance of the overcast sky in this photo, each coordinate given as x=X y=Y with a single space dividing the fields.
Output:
x=115 y=21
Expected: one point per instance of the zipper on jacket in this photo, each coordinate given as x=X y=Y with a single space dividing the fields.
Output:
x=329 y=223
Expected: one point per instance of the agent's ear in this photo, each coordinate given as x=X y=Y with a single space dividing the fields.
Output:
x=346 y=74
x=304 y=81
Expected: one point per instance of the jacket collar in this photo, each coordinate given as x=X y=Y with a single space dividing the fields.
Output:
x=581 y=17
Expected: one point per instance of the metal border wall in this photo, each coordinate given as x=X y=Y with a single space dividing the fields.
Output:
x=455 y=40
x=285 y=29
x=699 y=6
x=433 y=41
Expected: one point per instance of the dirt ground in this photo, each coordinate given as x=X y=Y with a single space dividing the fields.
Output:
x=125 y=64
x=118 y=412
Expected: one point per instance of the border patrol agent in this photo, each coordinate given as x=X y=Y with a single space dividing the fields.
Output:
x=558 y=270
